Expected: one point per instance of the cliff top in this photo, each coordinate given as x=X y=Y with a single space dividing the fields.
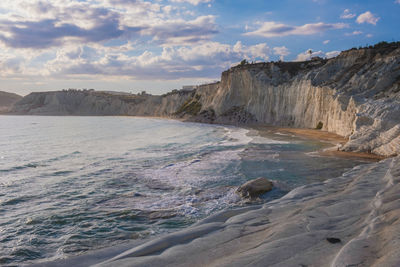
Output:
x=7 y=99
x=294 y=67
x=382 y=48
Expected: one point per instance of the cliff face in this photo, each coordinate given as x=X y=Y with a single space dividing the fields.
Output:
x=7 y=100
x=356 y=95
x=92 y=103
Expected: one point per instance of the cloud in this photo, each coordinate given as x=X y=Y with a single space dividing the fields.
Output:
x=281 y=51
x=180 y=32
x=11 y=65
x=332 y=54
x=347 y=14
x=397 y=1
x=306 y=55
x=41 y=25
x=193 y=2
x=367 y=17
x=326 y=42
x=273 y=29
x=48 y=33
x=202 y=60
x=260 y=51
x=353 y=33
x=112 y=38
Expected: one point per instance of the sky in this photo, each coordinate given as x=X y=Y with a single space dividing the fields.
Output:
x=160 y=45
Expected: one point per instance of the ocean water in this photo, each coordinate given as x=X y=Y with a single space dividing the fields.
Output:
x=74 y=184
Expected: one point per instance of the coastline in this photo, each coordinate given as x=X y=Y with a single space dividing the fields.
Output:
x=356 y=210
x=212 y=230
x=334 y=141
x=228 y=239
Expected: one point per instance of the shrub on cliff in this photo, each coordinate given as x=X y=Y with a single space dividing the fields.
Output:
x=191 y=106
x=243 y=62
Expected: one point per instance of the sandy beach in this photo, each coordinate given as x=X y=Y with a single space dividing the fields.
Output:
x=335 y=141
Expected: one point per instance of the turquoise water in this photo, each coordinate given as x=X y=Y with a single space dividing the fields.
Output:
x=75 y=184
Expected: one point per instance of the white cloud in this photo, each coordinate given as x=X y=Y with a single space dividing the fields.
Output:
x=273 y=29
x=326 y=42
x=102 y=38
x=202 y=60
x=370 y=35
x=353 y=33
x=306 y=55
x=193 y=2
x=260 y=51
x=332 y=54
x=41 y=25
x=281 y=51
x=367 y=17
x=397 y=1
x=347 y=14
x=181 y=32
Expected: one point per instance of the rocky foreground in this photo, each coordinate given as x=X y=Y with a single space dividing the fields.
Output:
x=353 y=220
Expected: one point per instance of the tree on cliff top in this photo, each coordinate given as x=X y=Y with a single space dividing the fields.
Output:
x=243 y=62
x=309 y=51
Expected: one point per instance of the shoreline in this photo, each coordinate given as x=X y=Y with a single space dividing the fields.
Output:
x=156 y=245
x=358 y=209
x=335 y=141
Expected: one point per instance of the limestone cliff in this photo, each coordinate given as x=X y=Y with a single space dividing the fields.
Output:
x=356 y=95
x=7 y=100
x=93 y=103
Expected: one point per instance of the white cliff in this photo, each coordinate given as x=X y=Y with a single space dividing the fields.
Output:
x=92 y=103
x=356 y=95
x=7 y=100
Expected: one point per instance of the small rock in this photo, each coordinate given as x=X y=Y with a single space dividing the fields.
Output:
x=254 y=188
x=333 y=240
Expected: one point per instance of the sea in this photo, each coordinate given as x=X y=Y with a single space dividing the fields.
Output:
x=69 y=185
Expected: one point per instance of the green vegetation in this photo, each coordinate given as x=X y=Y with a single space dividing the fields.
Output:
x=319 y=125
x=191 y=106
x=381 y=47
x=243 y=62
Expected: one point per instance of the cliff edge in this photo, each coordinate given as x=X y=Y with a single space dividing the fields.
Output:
x=7 y=100
x=355 y=95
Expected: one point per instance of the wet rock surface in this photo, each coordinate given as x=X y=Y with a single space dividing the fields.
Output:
x=254 y=188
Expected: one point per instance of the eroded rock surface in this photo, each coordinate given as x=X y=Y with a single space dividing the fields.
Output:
x=352 y=220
